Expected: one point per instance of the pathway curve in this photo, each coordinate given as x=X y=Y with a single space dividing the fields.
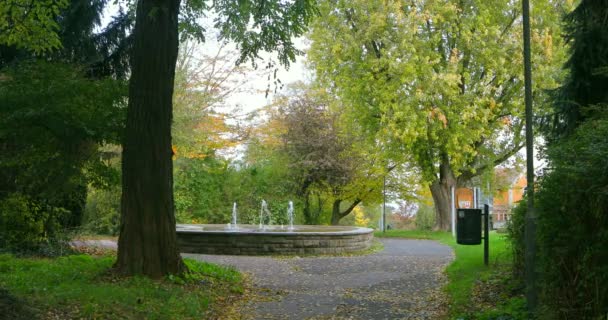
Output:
x=401 y=282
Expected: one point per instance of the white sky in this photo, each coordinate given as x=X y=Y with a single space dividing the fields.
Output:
x=254 y=96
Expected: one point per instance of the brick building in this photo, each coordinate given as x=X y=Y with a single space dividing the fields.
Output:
x=511 y=190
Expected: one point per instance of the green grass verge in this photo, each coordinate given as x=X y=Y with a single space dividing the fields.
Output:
x=80 y=286
x=466 y=269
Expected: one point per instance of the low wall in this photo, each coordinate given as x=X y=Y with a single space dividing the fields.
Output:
x=235 y=243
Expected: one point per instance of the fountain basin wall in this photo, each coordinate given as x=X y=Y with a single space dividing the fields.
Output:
x=251 y=240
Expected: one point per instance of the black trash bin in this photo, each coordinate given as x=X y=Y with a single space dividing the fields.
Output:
x=468 y=226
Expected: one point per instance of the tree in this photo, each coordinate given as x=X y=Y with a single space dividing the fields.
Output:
x=264 y=172
x=585 y=91
x=31 y=24
x=53 y=119
x=76 y=35
x=325 y=158
x=59 y=105
x=314 y=156
x=147 y=243
x=316 y=153
x=203 y=84
x=437 y=81
x=200 y=131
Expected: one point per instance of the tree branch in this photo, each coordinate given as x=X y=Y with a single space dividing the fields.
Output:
x=350 y=209
x=469 y=174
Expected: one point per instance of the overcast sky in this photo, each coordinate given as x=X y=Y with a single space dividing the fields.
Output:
x=255 y=97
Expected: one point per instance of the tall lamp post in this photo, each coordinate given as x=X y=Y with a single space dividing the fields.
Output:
x=530 y=221
x=384 y=207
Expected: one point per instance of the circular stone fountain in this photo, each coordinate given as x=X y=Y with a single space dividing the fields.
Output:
x=254 y=240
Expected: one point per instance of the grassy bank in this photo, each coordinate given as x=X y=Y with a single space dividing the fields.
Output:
x=80 y=286
x=470 y=281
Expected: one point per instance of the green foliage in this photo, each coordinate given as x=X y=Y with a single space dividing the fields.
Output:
x=587 y=82
x=31 y=24
x=80 y=287
x=314 y=146
x=52 y=122
x=102 y=211
x=205 y=191
x=205 y=186
x=26 y=225
x=263 y=181
x=68 y=31
x=510 y=309
x=56 y=111
x=515 y=234
x=571 y=203
x=440 y=79
x=199 y=191
x=267 y=26
x=54 y=116
x=253 y=26
x=437 y=83
x=425 y=217
x=203 y=83
x=327 y=163
x=573 y=226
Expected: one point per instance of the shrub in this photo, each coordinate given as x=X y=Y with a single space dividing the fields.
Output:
x=102 y=212
x=199 y=191
x=425 y=217
x=572 y=230
x=27 y=225
x=53 y=119
x=515 y=233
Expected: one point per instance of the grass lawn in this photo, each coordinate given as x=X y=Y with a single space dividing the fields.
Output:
x=467 y=270
x=80 y=286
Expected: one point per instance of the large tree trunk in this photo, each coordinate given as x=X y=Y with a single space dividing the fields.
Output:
x=307 y=214
x=335 y=212
x=441 y=192
x=305 y=192
x=148 y=243
x=312 y=214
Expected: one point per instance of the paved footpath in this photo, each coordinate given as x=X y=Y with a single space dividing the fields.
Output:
x=401 y=282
